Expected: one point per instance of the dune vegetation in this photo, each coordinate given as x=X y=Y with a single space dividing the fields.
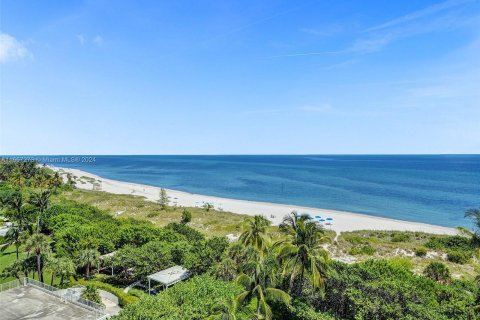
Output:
x=297 y=270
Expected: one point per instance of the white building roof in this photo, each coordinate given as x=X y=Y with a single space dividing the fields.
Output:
x=108 y=255
x=170 y=276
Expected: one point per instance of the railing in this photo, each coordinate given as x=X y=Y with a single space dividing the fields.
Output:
x=69 y=295
x=10 y=285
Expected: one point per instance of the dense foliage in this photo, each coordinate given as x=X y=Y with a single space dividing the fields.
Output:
x=257 y=277
x=377 y=290
x=193 y=299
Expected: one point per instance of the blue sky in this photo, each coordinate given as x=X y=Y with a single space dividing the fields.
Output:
x=236 y=77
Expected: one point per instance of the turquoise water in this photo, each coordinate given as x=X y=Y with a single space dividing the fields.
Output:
x=432 y=189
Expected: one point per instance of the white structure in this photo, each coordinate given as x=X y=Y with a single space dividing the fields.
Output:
x=169 y=276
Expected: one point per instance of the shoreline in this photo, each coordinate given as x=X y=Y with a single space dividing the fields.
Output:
x=342 y=220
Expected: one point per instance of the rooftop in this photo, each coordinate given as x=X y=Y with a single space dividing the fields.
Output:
x=170 y=276
x=28 y=302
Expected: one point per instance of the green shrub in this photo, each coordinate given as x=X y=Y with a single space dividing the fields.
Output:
x=450 y=242
x=192 y=299
x=421 y=252
x=401 y=262
x=124 y=299
x=377 y=290
x=91 y=293
x=459 y=256
x=400 y=237
x=365 y=249
x=437 y=271
x=153 y=214
x=186 y=216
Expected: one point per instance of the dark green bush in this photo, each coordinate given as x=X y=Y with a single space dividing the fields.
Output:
x=378 y=290
x=400 y=237
x=192 y=299
x=450 y=242
x=459 y=256
x=365 y=249
x=421 y=252
x=124 y=299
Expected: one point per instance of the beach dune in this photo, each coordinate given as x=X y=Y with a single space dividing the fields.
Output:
x=342 y=221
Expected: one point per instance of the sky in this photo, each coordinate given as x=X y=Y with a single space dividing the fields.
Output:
x=239 y=77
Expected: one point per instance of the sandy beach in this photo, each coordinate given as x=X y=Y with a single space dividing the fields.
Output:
x=342 y=221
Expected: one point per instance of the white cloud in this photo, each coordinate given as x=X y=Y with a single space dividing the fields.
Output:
x=81 y=39
x=11 y=49
x=98 y=40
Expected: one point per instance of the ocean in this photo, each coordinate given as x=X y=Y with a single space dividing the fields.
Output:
x=435 y=189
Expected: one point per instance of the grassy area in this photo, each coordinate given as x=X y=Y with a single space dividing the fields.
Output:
x=211 y=223
x=7 y=257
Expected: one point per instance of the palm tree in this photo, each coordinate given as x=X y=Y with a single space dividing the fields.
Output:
x=40 y=201
x=66 y=268
x=87 y=258
x=227 y=310
x=51 y=264
x=437 y=271
x=14 y=201
x=62 y=267
x=13 y=237
x=258 y=282
x=302 y=252
x=255 y=233
x=38 y=244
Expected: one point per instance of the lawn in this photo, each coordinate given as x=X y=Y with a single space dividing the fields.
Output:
x=8 y=256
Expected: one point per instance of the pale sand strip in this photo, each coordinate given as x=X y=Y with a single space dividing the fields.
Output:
x=342 y=221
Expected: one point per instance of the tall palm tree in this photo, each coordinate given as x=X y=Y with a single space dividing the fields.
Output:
x=259 y=282
x=255 y=233
x=227 y=310
x=87 y=258
x=302 y=252
x=59 y=267
x=38 y=244
x=14 y=201
x=40 y=201
x=51 y=264
x=13 y=237
x=66 y=268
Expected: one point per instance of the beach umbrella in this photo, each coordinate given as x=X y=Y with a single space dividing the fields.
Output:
x=318 y=217
x=330 y=219
x=322 y=220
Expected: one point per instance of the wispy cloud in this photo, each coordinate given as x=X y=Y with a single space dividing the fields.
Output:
x=11 y=49
x=428 y=11
x=84 y=40
x=325 y=31
x=441 y=16
x=98 y=40
x=81 y=39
